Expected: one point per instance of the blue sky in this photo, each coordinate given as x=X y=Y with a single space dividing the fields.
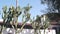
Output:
x=35 y=10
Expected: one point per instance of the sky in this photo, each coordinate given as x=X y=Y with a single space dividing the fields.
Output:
x=35 y=10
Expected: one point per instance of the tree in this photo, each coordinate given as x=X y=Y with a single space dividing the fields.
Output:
x=26 y=15
x=53 y=5
x=46 y=24
x=10 y=17
x=36 y=24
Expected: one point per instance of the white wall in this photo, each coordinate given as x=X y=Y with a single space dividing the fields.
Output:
x=8 y=30
x=29 y=31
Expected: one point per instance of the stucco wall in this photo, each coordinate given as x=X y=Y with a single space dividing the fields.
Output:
x=28 y=31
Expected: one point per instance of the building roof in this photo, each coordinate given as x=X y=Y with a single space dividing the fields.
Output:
x=27 y=26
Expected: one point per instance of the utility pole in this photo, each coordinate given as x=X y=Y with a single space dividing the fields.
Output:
x=16 y=3
x=16 y=14
x=16 y=18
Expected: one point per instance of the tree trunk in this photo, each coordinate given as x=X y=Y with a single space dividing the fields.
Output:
x=39 y=31
x=44 y=30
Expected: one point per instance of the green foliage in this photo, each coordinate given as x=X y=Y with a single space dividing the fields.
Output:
x=27 y=8
x=53 y=5
x=11 y=13
x=4 y=13
x=38 y=19
x=46 y=23
x=26 y=13
x=4 y=9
